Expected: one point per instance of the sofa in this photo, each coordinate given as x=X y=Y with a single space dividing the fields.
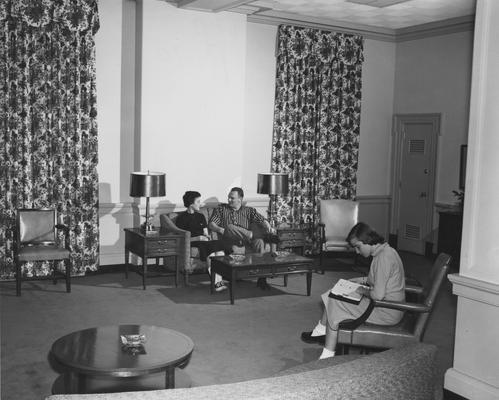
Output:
x=190 y=263
x=400 y=373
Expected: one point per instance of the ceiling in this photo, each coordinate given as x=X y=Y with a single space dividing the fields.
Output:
x=374 y=13
x=401 y=15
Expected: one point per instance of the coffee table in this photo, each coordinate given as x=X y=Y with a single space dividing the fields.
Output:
x=97 y=353
x=260 y=266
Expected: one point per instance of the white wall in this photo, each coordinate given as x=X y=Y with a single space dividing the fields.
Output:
x=378 y=80
x=193 y=88
x=259 y=103
x=108 y=67
x=433 y=75
x=475 y=369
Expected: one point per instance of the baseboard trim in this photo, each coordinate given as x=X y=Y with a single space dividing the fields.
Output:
x=468 y=387
x=448 y=395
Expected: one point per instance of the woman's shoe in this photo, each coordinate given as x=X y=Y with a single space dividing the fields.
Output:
x=219 y=286
x=308 y=338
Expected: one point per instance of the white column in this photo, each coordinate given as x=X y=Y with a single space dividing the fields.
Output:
x=475 y=372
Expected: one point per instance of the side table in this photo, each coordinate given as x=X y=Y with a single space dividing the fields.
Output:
x=94 y=360
x=160 y=245
x=292 y=237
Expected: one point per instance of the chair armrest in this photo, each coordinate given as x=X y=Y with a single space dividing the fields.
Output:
x=167 y=225
x=402 y=306
x=322 y=234
x=414 y=289
x=63 y=227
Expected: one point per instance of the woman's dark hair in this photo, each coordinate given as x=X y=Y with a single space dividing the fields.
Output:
x=364 y=233
x=189 y=197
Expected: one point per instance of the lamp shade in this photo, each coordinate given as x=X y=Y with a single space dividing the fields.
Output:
x=272 y=183
x=147 y=184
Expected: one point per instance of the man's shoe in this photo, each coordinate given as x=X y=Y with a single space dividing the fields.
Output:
x=271 y=238
x=308 y=338
x=219 y=286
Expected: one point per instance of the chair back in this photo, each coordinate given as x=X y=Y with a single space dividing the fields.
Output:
x=338 y=216
x=430 y=291
x=36 y=226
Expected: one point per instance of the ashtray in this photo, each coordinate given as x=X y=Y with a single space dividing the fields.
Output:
x=237 y=257
x=133 y=340
x=135 y=350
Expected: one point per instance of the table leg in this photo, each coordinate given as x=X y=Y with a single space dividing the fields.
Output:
x=127 y=258
x=176 y=271
x=231 y=286
x=170 y=378
x=144 y=272
x=212 y=280
x=309 y=282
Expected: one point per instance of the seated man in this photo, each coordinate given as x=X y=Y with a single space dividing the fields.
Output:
x=233 y=222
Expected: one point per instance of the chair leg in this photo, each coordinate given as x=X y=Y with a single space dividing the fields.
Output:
x=18 y=278
x=67 y=263
x=54 y=269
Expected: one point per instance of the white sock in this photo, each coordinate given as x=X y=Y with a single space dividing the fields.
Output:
x=319 y=330
x=326 y=353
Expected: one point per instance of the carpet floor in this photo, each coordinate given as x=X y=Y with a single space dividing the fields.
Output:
x=256 y=337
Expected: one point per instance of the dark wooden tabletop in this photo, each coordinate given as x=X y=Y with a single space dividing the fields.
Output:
x=99 y=351
x=264 y=259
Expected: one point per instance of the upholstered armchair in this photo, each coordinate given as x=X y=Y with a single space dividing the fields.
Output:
x=337 y=217
x=413 y=324
x=37 y=240
x=190 y=261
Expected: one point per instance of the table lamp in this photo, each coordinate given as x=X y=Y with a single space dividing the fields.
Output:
x=273 y=184
x=147 y=184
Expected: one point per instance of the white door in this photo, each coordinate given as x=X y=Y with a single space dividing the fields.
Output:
x=414 y=179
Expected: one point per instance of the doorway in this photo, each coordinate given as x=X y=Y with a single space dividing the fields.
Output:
x=413 y=179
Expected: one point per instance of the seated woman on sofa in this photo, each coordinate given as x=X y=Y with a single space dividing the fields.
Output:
x=193 y=221
x=385 y=281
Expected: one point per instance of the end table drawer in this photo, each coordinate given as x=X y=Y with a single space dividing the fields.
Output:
x=162 y=243
x=248 y=273
x=291 y=236
x=288 y=268
x=291 y=243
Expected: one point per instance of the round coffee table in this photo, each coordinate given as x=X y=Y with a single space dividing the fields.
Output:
x=97 y=353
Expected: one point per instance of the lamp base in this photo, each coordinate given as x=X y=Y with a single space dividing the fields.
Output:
x=149 y=229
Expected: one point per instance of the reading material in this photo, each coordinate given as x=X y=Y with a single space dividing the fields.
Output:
x=346 y=291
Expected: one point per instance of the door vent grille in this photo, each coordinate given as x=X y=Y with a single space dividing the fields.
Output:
x=416 y=146
x=412 y=231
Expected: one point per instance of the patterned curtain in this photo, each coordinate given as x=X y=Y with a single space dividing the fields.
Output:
x=48 y=129
x=316 y=118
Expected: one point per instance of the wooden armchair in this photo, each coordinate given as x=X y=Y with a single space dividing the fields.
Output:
x=413 y=324
x=36 y=232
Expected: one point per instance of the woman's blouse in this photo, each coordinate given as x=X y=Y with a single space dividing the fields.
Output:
x=194 y=223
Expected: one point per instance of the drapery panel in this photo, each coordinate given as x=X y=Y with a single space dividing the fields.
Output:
x=316 y=118
x=48 y=123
